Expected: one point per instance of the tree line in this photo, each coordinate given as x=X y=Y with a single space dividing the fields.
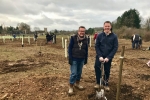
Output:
x=129 y=19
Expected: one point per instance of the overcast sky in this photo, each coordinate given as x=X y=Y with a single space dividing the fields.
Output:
x=67 y=14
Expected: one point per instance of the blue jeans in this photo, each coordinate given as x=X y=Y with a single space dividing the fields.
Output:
x=135 y=44
x=76 y=71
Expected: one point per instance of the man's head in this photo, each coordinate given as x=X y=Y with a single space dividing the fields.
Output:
x=81 y=31
x=107 y=26
x=96 y=32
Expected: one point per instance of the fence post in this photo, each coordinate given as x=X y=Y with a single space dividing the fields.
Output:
x=29 y=39
x=90 y=41
x=62 y=42
x=66 y=48
x=120 y=72
x=3 y=39
x=22 y=42
x=12 y=38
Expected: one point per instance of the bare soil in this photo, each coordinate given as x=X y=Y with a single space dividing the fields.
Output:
x=40 y=71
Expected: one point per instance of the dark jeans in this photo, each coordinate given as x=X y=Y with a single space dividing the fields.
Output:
x=107 y=67
x=135 y=44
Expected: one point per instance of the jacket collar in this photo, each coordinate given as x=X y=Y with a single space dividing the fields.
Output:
x=107 y=33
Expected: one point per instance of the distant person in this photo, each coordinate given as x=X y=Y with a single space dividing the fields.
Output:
x=95 y=36
x=78 y=54
x=140 y=42
x=136 y=39
x=54 y=37
x=51 y=37
x=35 y=36
x=14 y=35
x=47 y=37
x=106 y=47
x=132 y=41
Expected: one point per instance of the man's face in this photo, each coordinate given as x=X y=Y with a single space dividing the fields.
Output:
x=107 y=27
x=81 y=32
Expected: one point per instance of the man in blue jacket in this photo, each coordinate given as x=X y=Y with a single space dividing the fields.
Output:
x=78 y=53
x=106 y=46
x=136 y=39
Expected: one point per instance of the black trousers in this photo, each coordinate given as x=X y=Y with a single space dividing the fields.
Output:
x=107 y=67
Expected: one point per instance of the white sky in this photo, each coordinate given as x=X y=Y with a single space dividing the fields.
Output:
x=67 y=14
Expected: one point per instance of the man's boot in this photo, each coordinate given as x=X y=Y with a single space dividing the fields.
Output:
x=106 y=86
x=97 y=86
x=70 y=92
x=77 y=85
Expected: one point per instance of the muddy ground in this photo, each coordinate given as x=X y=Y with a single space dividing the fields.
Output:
x=41 y=72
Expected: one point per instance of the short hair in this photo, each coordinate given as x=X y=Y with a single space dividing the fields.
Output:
x=108 y=22
x=81 y=27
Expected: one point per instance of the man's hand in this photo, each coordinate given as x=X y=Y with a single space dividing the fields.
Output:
x=101 y=59
x=106 y=60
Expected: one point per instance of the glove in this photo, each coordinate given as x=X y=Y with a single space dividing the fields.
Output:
x=70 y=61
x=85 y=61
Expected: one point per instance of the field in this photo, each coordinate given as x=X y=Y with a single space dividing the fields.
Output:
x=40 y=71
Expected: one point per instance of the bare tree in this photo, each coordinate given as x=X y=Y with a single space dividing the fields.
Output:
x=147 y=24
x=36 y=28
x=24 y=27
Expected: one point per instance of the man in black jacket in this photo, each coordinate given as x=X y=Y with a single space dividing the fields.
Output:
x=106 y=46
x=136 y=39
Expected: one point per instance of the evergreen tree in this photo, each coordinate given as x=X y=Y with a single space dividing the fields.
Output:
x=129 y=18
x=90 y=31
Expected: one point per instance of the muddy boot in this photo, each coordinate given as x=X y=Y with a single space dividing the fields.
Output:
x=70 y=92
x=97 y=86
x=78 y=86
x=106 y=86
